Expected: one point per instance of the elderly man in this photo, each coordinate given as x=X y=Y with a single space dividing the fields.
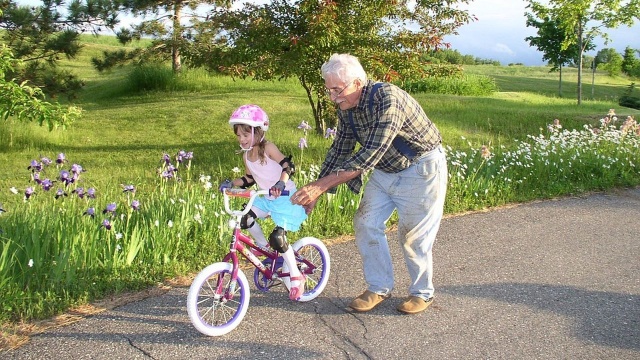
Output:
x=403 y=149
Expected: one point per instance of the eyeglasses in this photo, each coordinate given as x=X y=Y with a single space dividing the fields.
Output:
x=337 y=93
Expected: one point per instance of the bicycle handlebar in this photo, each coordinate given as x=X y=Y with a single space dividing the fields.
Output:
x=249 y=194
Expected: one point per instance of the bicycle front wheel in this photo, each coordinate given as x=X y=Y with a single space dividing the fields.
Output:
x=214 y=306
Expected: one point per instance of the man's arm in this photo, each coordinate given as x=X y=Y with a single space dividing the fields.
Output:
x=309 y=194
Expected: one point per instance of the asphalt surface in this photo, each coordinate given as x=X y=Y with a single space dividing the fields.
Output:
x=545 y=280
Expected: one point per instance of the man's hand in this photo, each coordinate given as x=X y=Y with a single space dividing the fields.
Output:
x=309 y=208
x=307 y=195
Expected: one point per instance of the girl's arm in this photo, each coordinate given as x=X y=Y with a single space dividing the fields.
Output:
x=287 y=167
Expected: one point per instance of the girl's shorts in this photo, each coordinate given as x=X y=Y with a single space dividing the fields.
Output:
x=283 y=213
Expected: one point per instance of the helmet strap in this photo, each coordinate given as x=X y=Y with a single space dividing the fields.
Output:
x=252 y=140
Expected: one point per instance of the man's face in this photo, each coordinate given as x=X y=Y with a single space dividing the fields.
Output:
x=344 y=95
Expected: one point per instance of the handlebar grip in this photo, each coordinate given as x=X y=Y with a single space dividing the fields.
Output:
x=284 y=192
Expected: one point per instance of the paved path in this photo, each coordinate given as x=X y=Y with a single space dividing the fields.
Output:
x=545 y=280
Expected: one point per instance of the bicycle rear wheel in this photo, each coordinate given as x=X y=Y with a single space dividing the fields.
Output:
x=210 y=309
x=316 y=253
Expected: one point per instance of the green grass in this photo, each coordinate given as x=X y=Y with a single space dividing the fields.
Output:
x=179 y=228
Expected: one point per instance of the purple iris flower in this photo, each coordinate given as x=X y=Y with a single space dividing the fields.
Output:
x=66 y=177
x=35 y=166
x=111 y=208
x=61 y=159
x=46 y=184
x=36 y=178
x=90 y=211
x=60 y=193
x=91 y=193
x=329 y=133
x=128 y=188
x=188 y=155
x=304 y=126
x=166 y=158
x=79 y=191
x=168 y=173
x=180 y=156
x=28 y=192
x=106 y=224
x=76 y=169
x=46 y=161
x=302 y=143
x=135 y=205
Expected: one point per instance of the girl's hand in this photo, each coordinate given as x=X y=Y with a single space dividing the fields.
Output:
x=227 y=184
x=277 y=189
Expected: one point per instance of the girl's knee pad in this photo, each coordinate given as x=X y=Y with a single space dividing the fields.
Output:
x=278 y=240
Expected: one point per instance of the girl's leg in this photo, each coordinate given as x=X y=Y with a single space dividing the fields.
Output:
x=256 y=230
x=297 y=280
x=295 y=276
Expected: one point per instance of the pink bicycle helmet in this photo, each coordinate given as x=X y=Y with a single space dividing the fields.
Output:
x=251 y=115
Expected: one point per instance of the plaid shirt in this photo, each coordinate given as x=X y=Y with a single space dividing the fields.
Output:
x=395 y=113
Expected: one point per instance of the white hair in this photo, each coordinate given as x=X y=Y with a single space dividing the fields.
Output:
x=345 y=67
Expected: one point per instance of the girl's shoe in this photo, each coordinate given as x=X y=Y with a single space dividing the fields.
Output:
x=295 y=293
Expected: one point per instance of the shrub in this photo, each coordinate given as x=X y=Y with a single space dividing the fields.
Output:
x=151 y=77
x=466 y=85
x=630 y=98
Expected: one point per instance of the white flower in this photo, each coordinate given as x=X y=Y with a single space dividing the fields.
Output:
x=236 y=170
x=170 y=223
x=157 y=223
x=197 y=218
x=119 y=236
x=118 y=247
x=30 y=263
x=208 y=185
x=13 y=190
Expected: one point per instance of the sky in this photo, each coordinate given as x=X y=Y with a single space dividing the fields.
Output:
x=500 y=32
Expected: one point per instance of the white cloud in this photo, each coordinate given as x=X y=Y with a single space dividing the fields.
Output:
x=502 y=48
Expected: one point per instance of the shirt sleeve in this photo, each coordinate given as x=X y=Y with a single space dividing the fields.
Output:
x=382 y=129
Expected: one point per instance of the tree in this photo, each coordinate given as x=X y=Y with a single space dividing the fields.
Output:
x=40 y=36
x=630 y=65
x=609 y=60
x=26 y=103
x=285 y=39
x=170 y=27
x=550 y=42
x=581 y=21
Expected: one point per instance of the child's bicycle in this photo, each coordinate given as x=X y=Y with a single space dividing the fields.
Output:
x=219 y=295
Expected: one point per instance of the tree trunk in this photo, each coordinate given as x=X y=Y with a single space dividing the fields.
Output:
x=593 y=79
x=580 y=46
x=560 y=85
x=316 y=107
x=177 y=37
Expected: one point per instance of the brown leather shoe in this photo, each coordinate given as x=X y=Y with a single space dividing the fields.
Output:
x=414 y=305
x=367 y=301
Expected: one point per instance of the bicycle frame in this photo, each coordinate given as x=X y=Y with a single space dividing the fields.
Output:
x=243 y=244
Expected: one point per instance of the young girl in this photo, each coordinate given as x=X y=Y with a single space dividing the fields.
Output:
x=269 y=169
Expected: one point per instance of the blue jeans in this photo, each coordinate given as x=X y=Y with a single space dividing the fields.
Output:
x=418 y=194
